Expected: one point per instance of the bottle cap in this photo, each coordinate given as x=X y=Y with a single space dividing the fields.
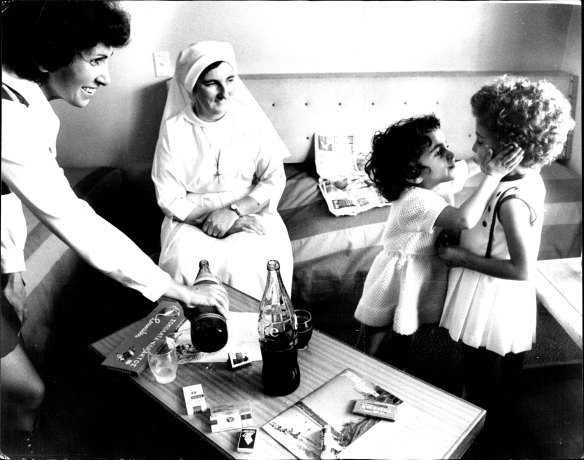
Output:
x=273 y=265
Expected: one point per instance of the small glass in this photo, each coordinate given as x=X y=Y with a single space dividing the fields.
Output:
x=163 y=360
x=304 y=319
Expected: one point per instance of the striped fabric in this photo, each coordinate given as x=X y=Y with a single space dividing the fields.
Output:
x=51 y=265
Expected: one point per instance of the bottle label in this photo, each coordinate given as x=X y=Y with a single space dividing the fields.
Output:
x=210 y=315
x=205 y=278
x=269 y=326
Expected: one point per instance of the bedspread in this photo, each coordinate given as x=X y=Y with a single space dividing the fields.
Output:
x=66 y=299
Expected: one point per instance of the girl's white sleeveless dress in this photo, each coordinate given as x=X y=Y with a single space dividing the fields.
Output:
x=485 y=311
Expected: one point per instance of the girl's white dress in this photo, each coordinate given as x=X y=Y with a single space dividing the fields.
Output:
x=485 y=311
x=201 y=166
x=407 y=281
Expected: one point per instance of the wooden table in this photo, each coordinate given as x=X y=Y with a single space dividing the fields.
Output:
x=559 y=289
x=444 y=426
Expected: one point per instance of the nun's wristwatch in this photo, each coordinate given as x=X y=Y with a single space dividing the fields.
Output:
x=235 y=209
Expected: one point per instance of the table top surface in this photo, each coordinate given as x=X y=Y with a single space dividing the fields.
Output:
x=442 y=425
x=566 y=277
x=559 y=289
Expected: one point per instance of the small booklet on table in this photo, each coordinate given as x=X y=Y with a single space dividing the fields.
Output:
x=131 y=355
x=299 y=428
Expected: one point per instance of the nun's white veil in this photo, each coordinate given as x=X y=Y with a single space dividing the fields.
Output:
x=191 y=62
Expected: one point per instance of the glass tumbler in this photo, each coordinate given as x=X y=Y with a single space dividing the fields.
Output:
x=304 y=328
x=163 y=360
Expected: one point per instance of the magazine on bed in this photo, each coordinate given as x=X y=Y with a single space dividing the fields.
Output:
x=343 y=182
x=299 y=428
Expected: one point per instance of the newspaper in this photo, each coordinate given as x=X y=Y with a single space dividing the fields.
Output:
x=343 y=182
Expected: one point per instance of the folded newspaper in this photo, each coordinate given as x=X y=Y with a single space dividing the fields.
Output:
x=343 y=182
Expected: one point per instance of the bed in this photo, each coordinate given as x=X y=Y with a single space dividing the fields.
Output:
x=332 y=255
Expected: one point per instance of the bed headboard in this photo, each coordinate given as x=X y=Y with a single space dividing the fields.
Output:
x=362 y=103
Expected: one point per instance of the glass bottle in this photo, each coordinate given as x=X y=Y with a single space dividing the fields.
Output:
x=208 y=325
x=278 y=331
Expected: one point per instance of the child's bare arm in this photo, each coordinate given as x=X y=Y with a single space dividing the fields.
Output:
x=468 y=214
x=515 y=218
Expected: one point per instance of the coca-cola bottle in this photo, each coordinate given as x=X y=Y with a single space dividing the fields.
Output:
x=278 y=329
x=208 y=325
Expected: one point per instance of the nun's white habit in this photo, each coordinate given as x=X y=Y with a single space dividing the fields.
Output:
x=205 y=166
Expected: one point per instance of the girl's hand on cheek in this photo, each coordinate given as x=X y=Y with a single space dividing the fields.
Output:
x=504 y=162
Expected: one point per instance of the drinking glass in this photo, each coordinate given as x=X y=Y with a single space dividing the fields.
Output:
x=304 y=319
x=163 y=360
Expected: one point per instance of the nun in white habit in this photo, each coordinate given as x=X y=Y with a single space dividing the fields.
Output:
x=219 y=174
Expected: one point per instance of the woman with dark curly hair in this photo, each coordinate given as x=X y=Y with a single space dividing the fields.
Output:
x=412 y=166
x=57 y=50
x=490 y=304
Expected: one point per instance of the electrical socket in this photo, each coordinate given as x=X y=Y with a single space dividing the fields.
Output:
x=162 y=64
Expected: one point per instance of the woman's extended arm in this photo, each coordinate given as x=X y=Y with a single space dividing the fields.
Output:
x=33 y=174
x=202 y=295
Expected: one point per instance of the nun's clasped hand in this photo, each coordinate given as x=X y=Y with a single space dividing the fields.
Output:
x=218 y=222
x=249 y=224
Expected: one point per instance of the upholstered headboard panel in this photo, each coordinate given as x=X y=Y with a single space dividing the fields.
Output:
x=300 y=104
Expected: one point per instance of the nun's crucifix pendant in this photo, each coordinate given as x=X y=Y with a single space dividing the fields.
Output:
x=218 y=173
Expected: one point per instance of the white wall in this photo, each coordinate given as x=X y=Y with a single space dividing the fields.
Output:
x=120 y=125
x=573 y=64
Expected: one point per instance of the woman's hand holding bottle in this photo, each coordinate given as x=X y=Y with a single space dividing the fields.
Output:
x=212 y=295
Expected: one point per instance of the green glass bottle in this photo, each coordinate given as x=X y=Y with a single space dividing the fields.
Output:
x=208 y=325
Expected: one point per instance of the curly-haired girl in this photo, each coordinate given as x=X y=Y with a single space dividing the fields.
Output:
x=411 y=165
x=490 y=304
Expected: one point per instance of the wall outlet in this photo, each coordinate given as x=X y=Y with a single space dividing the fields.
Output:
x=162 y=64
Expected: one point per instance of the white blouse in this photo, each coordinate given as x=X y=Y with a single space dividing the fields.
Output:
x=30 y=169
